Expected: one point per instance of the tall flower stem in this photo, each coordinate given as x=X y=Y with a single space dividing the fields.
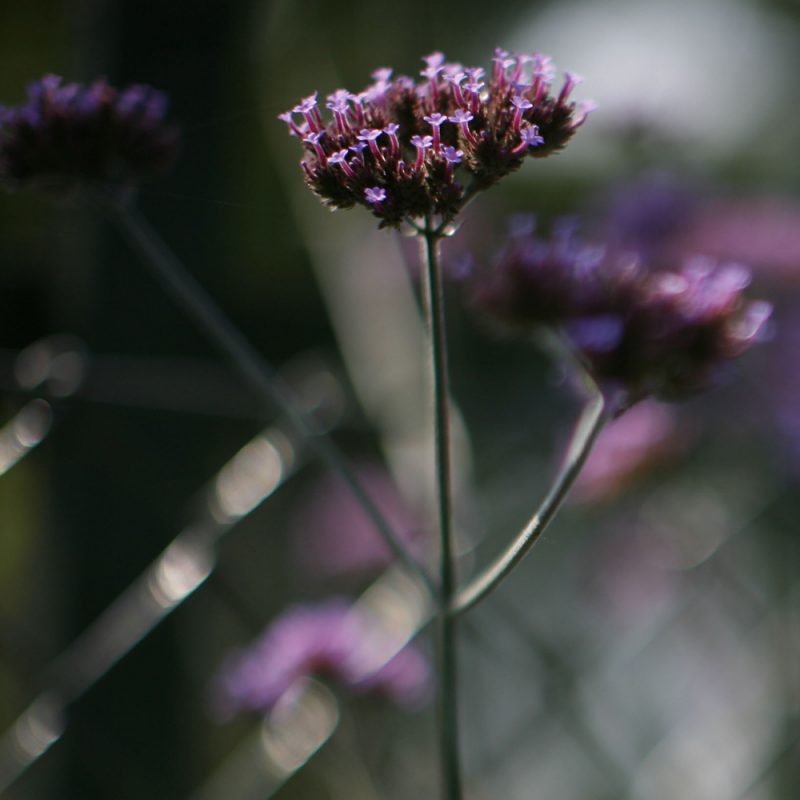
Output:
x=255 y=370
x=591 y=422
x=448 y=663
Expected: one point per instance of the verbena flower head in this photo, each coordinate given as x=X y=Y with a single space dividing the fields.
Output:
x=661 y=333
x=406 y=149
x=65 y=134
x=332 y=640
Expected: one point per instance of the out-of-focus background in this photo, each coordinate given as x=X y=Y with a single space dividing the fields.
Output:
x=647 y=650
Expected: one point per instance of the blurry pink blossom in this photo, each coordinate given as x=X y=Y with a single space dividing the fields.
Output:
x=644 y=437
x=332 y=640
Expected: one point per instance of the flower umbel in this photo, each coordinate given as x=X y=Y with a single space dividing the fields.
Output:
x=68 y=133
x=665 y=333
x=407 y=149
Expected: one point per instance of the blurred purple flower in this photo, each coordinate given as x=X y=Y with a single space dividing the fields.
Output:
x=375 y=195
x=425 y=137
x=333 y=536
x=680 y=330
x=68 y=133
x=333 y=640
x=638 y=332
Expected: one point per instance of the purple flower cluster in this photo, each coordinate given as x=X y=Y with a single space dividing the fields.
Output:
x=69 y=133
x=661 y=333
x=333 y=640
x=399 y=147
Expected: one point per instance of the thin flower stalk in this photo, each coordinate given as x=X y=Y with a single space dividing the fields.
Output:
x=448 y=663
x=595 y=415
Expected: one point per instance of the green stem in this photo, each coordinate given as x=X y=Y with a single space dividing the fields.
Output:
x=256 y=371
x=589 y=425
x=448 y=666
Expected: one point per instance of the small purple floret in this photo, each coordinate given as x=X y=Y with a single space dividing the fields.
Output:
x=375 y=194
x=462 y=116
x=571 y=80
x=435 y=59
x=582 y=112
x=435 y=119
x=307 y=104
x=529 y=137
x=422 y=143
x=452 y=155
x=369 y=134
x=382 y=75
x=338 y=100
